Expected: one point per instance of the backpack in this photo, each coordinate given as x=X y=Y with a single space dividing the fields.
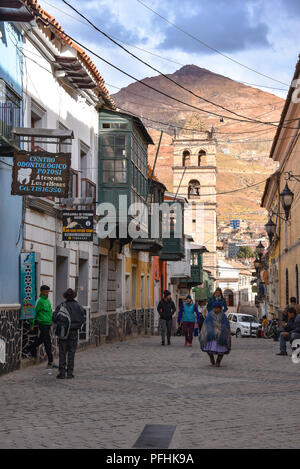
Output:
x=63 y=322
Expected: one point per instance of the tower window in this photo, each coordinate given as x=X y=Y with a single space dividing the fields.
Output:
x=201 y=154
x=186 y=156
x=194 y=188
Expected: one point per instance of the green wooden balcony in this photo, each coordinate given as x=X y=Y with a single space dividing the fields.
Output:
x=153 y=245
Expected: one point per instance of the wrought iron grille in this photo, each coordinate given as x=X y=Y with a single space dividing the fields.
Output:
x=10 y=111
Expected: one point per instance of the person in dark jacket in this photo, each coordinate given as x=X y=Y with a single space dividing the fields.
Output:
x=68 y=345
x=295 y=334
x=288 y=327
x=219 y=298
x=166 y=308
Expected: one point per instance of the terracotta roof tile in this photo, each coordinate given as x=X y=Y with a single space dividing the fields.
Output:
x=82 y=56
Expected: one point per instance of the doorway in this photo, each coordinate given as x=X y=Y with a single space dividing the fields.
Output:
x=62 y=275
x=83 y=279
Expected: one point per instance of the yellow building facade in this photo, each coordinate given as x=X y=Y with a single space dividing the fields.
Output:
x=284 y=251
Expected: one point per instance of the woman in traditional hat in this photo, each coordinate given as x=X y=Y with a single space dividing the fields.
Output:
x=215 y=337
x=217 y=296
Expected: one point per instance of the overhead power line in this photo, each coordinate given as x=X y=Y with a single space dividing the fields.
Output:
x=134 y=78
x=250 y=119
x=155 y=54
x=207 y=45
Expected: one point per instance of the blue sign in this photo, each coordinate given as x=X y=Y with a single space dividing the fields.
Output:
x=28 y=285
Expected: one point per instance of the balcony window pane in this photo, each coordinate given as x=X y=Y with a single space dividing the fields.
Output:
x=120 y=141
x=120 y=165
x=108 y=140
x=120 y=152
x=108 y=165
x=91 y=190
x=108 y=152
x=120 y=176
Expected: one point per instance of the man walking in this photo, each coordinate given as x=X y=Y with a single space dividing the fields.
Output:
x=43 y=318
x=69 y=317
x=166 y=308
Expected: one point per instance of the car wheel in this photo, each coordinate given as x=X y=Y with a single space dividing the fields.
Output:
x=238 y=334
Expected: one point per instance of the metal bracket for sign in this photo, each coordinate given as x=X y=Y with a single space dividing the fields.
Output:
x=47 y=142
x=52 y=136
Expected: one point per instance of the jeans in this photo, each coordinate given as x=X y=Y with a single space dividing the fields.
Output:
x=44 y=337
x=282 y=343
x=294 y=336
x=68 y=347
x=166 y=326
x=188 y=330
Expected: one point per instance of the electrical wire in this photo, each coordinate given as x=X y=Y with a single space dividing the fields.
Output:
x=208 y=46
x=159 y=71
x=61 y=32
x=151 y=52
x=188 y=110
x=170 y=125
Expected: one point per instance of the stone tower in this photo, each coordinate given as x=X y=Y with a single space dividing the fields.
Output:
x=195 y=173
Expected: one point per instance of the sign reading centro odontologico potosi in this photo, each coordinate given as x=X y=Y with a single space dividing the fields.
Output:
x=41 y=174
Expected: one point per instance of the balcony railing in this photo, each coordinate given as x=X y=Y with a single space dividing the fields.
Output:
x=10 y=113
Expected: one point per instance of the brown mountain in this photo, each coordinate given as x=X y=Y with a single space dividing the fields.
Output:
x=242 y=151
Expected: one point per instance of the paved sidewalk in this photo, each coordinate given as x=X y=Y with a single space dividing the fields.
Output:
x=252 y=401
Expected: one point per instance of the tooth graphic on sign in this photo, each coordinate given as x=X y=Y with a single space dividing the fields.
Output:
x=24 y=175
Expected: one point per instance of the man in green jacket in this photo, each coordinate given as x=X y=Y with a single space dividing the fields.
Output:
x=43 y=318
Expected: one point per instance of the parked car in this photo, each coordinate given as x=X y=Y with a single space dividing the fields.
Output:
x=240 y=324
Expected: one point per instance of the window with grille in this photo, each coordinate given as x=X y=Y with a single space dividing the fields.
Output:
x=10 y=110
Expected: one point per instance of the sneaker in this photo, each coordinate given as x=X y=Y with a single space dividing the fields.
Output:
x=70 y=376
x=185 y=343
x=162 y=343
x=28 y=355
x=61 y=376
x=52 y=365
x=190 y=345
x=282 y=354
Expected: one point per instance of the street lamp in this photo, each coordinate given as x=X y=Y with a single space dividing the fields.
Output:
x=257 y=264
x=270 y=229
x=260 y=249
x=286 y=197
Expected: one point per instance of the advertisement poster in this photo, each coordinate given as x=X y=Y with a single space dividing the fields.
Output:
x=27 y=285
x=78 y=225
x=41 y=174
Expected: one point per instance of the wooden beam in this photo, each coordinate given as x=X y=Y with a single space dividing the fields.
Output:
x=20 y=16
x=46 y=133
x=10 y=4
x=87 y=87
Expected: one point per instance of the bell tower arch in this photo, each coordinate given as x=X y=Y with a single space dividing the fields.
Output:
x=195 y=167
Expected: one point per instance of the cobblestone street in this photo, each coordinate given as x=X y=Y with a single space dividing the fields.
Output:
x=252 y=401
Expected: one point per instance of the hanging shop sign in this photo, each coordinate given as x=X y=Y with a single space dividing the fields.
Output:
x=41 y=174
x=78 y=225
x=27 y=285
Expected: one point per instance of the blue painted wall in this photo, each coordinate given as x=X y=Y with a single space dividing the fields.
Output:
x=11 y=229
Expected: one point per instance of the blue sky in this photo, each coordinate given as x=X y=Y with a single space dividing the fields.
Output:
x=262 y=34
